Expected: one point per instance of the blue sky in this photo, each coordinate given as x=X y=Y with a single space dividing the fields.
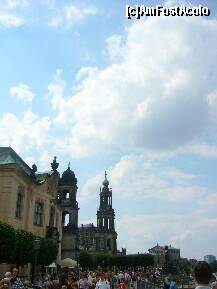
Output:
x=137 y=98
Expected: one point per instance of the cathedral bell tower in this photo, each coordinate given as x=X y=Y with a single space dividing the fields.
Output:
x=105 y=214
x=106 y=219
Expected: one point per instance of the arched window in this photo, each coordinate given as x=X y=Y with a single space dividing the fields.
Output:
x=66 y=194
x=108 y=223
x=19 y=204
x=65 y=219
x=38 y=213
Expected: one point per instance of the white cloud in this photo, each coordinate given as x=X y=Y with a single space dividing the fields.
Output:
x=56 y=90
x=22 y=92
x=208 y=203
x=157 y=97
x=114 y=47
x=30 y=160
x=85 y=72
x=25 y=134
x=137 y=178
x=202 y=149
x=43 y=161
x=12 y=4
x=9 y=20
x=172 y=3
x=179 y=176
x=182 y=236
x=71 y=15
x=188 y=232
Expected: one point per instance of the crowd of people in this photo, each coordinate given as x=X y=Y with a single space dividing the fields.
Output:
x=68 y=279
x=202 y=275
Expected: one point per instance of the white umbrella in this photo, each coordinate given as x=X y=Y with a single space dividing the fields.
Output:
x=68 y=263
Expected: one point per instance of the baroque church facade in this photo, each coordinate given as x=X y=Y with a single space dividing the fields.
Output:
x=89 y=237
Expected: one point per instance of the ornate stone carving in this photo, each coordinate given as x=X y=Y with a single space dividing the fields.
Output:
x=54 y=164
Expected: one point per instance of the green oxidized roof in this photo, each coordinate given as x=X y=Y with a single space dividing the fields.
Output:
x=105 y=182
x=6 y=159
x=9 y=157
x=41 y=177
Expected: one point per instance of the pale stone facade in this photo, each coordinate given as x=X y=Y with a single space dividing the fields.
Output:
x=165 y=254
x=158 y=252
x=28 y=200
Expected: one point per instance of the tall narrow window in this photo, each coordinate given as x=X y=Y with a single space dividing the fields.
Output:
x=109 y=244
x=66 y=194
x=52 y=216
x=38 y=213
x=65 y=218
x=19 y=204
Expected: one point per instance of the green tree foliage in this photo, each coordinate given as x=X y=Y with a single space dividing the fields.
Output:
x=7 y=242
x=137 y=260
x=186 y=267
x=25 y=247
x=85 y=260
x=102 y=260
x=213 y=266
x=17 y=246
x=48 y=252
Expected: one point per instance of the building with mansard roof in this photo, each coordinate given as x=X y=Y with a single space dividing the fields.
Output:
x=46 y=204
x=28 y=199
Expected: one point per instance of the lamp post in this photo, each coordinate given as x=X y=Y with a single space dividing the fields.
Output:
x=37 y=243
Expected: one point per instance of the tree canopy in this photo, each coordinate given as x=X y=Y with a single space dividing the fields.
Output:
x=18 y=246
x=93 y=260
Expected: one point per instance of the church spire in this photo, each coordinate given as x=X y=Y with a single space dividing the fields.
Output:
x=105 y=213
x=105 y=182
